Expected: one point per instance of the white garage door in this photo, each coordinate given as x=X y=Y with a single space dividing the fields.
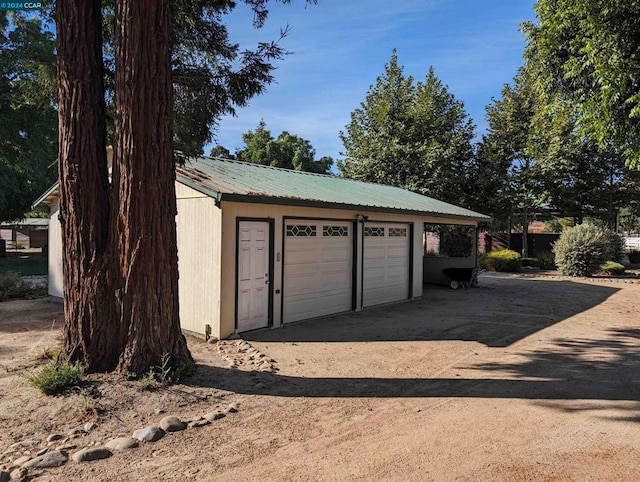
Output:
x=318 y=269
x=385 y=263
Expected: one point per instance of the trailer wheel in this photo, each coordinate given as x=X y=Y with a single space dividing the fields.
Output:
x=454 y=285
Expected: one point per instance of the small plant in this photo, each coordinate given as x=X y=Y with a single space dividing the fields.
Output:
x=163 y=374
x=612 y=268
x=503 y=260
x=582 y=249
x=53 y=379
x=13 y=286
x=149 y=382
x=546 y=260
x=16 y=245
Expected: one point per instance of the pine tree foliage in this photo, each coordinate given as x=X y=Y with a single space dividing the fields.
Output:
x=414 y=135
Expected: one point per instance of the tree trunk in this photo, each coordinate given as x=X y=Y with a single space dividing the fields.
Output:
x=144 y=227
x=84 y=188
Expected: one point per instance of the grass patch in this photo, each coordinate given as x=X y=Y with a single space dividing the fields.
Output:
x=52 y=379
x=49 y=353
x=25 y=264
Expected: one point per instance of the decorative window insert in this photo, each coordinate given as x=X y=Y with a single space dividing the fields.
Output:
x=335 y=231
x=374 y=232
x=301 y=230
x=397 y=232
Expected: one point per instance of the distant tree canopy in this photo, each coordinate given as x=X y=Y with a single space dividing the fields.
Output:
x=221 y=151
x=288 y=151
x=412 y=135
x=211 y=77
x=588 y=51
x=28 y=118
x=535 y=155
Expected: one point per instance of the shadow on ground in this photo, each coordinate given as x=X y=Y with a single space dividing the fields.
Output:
x=603 y=369
x=497 y=315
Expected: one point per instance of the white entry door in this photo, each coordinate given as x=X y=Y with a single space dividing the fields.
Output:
x=385 y=263
x=253 y=275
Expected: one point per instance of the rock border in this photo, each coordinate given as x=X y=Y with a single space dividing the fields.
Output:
x=55 y=448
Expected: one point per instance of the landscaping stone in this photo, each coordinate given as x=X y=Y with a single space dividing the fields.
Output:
x=211 y=416
x=122 y=443
x=50 y=459
x=5 y=476
x=75 y=431
x=19 y=474
x=158 y=411
x=89 y=426
x=172 y=424
x=198 y=423
x=22 y=443
x=260 y=385
x=232 y=408
x=67 y=447
x=87 y=455
x=42 y=451
x=53 y=437
x=148 y=434
x=22 y=460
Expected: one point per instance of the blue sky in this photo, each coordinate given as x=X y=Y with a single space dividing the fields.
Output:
x=340 y=47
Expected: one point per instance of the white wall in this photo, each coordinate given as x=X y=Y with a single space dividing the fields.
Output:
x=198 y=225
x=55 y=252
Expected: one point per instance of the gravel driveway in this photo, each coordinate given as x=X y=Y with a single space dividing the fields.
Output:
x=525 y=378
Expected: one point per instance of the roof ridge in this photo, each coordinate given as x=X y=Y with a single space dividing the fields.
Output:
x=255 y=164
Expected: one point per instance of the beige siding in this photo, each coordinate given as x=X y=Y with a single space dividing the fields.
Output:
x=232 y=210
x=198 y=226
x=55 y=252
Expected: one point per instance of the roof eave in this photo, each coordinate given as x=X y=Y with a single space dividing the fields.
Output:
x=351 y=207
x=43 y=198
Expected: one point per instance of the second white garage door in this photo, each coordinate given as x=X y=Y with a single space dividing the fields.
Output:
x=318 y=269
x=386 y=261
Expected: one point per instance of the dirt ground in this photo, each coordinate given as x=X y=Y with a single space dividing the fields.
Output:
x=525 y=378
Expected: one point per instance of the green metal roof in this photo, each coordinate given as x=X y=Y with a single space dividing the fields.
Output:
x=241 y=181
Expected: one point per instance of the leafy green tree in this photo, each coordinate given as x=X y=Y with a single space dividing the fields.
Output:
x=412 y=135
x=288 y=151
x=28 y=119
x=506 y=150
x=221 y=151
x=588 y=50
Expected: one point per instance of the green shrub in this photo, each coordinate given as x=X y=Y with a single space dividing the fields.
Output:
x=582 y=249
x=53 y=379
x=13 y=286
x=612 y=268
x=546 y=260
x=503 y=260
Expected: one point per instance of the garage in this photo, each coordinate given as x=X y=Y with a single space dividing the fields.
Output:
x=386 y=263
x=318 y=268
x=262 y=247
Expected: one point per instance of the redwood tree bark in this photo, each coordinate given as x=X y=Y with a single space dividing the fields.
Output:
x=84 y=188
x=143 y=226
